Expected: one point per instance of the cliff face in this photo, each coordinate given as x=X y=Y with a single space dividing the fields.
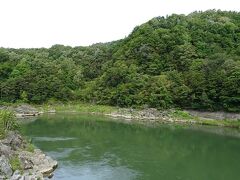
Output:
x=20 y=161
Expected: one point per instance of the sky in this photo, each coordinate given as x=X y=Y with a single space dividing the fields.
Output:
x=43 y=23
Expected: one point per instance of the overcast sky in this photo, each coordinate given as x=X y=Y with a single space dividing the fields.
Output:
x=43 y=23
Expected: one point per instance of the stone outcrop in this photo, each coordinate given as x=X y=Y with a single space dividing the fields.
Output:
x=145 y=114
x=38 y=162
x=34 y=165
x=25 y=110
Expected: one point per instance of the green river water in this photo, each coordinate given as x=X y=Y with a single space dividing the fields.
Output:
x=89 y=147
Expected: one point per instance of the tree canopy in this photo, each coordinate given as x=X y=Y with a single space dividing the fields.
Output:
x=183 y=61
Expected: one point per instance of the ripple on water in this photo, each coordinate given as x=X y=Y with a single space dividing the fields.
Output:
x=95 y=171
x=53 y=138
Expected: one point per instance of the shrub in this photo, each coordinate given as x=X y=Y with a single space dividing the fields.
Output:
x=182 y=115
x=7 y=122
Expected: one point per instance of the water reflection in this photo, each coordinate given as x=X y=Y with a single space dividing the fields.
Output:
x=91 y=147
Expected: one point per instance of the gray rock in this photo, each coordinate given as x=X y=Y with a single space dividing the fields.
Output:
x=32 y=175
x=5 y=167
x=38 y=162
x=5 y=150
x=3 y=107
x=25 y=110
x=36 y=165
x=14 y=140
x=17 y=176
x=2 y=177
x=26 y=163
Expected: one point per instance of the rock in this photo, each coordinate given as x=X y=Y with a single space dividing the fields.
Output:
x=147 y=114
x=14 y=140
x=24 y=110
x=26 y=163
x=33 y=175
x=26 y=176
x=17 y=176
x=51 y=111
x=5 y=150
x=3 y=107
x=2 y=177
x=38 y=161
x=50 y=175
x=5 y=167
x=35 y=165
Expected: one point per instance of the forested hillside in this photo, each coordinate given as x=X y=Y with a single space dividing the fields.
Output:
x=183 y=61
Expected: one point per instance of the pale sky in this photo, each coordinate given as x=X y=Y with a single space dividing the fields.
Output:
x=43 y=23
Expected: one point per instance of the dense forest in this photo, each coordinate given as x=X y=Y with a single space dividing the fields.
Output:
x=181 y=61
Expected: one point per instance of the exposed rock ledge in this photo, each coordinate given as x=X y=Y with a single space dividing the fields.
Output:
x=150 y=114
x=33 y=165
x=23 y=110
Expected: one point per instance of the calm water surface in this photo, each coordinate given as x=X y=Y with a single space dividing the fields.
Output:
x=94 y=148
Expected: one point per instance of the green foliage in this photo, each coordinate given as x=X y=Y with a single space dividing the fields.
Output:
x=80 y=107
x=16 y=164
x=24 y=97
x=29 y=147
x=182 y=115
x=175 y=61
x=7 y=122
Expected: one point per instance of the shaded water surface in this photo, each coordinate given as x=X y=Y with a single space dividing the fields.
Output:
x=95 y=148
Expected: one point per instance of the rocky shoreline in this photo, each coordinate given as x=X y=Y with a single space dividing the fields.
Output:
x=149 y=114
x=35 y=164
x=17 y=162
x=153 y=115
x=23 y=110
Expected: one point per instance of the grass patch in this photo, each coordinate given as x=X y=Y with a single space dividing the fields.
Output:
x=225 y=122
x=30 y=147
x=79 y=107
x=182 y=115
x=7 y=122
x=16 y=164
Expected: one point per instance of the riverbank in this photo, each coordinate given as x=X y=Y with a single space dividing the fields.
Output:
x=18 y=158
x=223 y=119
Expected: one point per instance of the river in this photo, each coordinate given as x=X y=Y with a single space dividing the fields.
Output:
x=91 y=147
